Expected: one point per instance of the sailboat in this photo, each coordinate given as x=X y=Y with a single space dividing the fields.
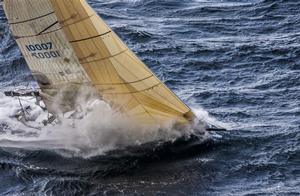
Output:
x=67 y=46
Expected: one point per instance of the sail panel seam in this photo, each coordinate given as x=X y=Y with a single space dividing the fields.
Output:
x=125 y=82
x=45 y=33
x=134 y=92
x=101 y=59
x=88 y=38
x=61 y=27
x=76 y=21
x=28 y=20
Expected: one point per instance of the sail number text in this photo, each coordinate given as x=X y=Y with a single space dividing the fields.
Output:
x=43 y=51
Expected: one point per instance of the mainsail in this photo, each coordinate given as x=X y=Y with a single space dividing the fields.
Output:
x=67 y=44
x=46 y=49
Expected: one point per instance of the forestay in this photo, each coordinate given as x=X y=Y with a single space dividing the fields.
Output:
x=69 y=43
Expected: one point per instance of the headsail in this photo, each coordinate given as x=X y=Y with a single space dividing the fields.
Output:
x=101 y=58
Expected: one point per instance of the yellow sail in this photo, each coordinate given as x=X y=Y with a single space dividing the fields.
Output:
x=96 y=55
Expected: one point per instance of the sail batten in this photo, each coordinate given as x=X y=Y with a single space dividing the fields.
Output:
x=69 y=45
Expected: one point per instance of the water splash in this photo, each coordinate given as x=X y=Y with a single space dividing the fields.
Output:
x=98 y=130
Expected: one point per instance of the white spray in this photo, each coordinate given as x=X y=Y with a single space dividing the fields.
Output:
x=99 y=129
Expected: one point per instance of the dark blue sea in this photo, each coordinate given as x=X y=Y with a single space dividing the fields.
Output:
x=238 y=60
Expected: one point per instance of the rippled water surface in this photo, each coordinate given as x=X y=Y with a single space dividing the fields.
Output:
x=239 y=60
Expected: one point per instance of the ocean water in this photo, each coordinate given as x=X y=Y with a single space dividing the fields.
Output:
x=236 y=63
